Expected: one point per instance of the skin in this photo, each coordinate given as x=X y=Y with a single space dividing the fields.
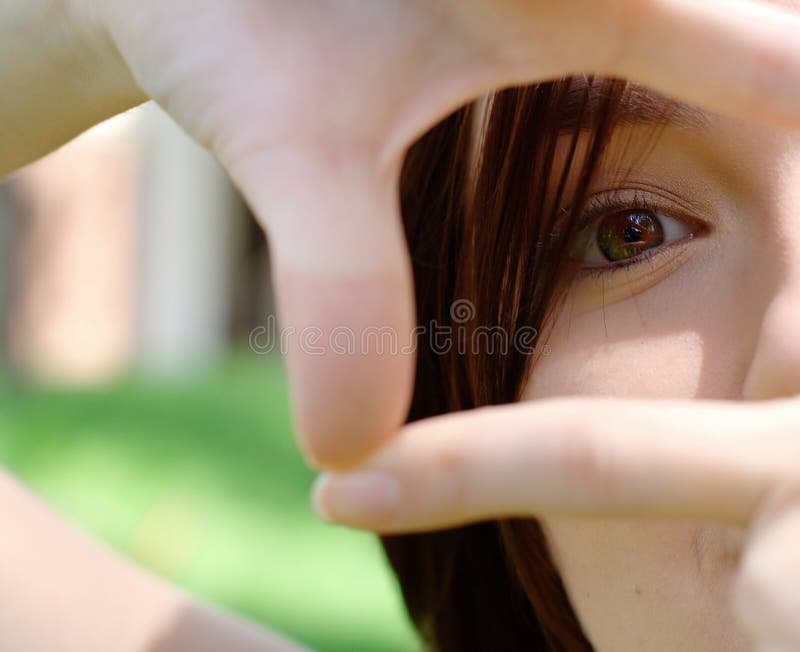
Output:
x=685 y=332
x=310 y=106
x=699 y=322
x=319 y=153
x=713 y=319
x=675 y=327
x=696 y=323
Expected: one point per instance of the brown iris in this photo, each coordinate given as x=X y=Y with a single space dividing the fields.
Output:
x=628 y=233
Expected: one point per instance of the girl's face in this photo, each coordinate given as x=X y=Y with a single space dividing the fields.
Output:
x=709 y=309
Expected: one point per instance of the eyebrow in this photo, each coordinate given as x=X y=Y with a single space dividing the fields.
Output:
x=638 y=106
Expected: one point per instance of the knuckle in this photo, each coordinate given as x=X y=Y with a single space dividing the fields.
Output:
x=449 y=466
x=448 y=459
x=766 y=80
x=772 y=66
x=454 y=461
x=586 y=460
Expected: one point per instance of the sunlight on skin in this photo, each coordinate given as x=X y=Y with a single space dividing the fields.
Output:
x=320 y=185
x=719 y=324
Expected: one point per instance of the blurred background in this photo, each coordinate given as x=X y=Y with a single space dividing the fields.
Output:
x=131 y=400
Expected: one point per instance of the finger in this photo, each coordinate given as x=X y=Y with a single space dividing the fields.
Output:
x=570 y=456
x=344 y=295
x=738 y=57
x=765 y=597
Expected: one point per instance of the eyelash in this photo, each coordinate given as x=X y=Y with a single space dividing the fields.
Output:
x=614 y=200
x=633 y=200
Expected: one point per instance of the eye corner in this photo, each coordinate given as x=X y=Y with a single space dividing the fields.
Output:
x=700 y=228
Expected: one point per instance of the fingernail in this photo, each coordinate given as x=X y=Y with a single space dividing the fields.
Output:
x=365 y=498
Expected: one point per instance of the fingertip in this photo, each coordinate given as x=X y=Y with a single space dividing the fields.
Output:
x=337 y=433
x=318 y=503
x=351 y=361
x=364 y=499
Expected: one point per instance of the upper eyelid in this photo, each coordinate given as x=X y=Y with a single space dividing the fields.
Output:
x=605 y=202
x=613 y=199
x=643 y=197
x=656 y=193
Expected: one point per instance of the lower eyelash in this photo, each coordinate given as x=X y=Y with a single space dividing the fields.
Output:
x=605 y=272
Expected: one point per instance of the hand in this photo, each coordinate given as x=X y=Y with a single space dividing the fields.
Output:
x=311 y=104
x=736 y=463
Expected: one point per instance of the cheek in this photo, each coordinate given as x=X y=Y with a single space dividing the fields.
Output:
x=651 y=586
x=614 y=354
x=656 y=587
x=687 y=337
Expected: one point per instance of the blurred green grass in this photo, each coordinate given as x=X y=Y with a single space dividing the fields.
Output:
x=199 y=480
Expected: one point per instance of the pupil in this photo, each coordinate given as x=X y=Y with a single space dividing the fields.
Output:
x=632 y=234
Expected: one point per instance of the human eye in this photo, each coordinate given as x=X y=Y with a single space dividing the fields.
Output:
x=626 y=227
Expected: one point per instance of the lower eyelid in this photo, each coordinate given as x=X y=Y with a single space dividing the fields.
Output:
x=692 y=228
x=653 y=261
x=600 y=286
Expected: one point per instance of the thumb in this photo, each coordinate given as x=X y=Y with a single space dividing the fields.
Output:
x=765 y=597
x=344 y=290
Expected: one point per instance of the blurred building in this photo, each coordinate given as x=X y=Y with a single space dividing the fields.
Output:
x=126 y=248
x=8 y=237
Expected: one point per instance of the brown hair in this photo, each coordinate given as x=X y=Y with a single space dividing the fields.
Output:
x=496 y=236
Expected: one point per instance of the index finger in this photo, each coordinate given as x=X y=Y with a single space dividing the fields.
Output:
x=341 y=266
x=739 y=57
x=662 y=459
